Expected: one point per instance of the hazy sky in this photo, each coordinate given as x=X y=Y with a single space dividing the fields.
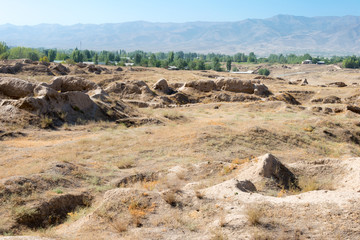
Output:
x=67 y=12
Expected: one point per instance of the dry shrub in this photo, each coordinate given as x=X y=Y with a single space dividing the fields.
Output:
x=138 y=210
x=199 y=195
x=46 y=122
x=125 y=163
x=228 y=169
x=119 y=225
x=170 y=198
x=150 y=185
x=241 y=161
x=181 y=175
x=222 y=220
x=281 y=193
x=254 y=214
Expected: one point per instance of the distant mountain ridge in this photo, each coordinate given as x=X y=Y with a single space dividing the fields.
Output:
x=279 y=34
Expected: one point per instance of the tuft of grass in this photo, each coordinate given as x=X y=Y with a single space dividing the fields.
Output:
x=58 y=191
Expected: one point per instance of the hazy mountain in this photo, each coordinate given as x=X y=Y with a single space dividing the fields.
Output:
x=279 y=34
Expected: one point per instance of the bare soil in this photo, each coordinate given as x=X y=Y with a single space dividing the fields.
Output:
x=176 y=177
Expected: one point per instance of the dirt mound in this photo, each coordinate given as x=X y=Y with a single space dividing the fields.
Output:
x=59 y=69
x=69 y=83
x=162 y=86
x=200 y=85
x=235 y=97
x=10 y=68
x=65 y=99
x=121 y=208
x=52 y=211
x=327 y=99
x=16 y=88
x=235 y=85
x=285 y=97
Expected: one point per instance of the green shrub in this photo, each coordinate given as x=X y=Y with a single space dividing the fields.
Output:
x=264 y=72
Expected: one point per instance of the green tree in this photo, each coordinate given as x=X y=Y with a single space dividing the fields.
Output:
x=111 y=56
x=137 y=58
x=4 y=54
x=51 y=55
x=164 y=64
x=192 y=65
x=171 y=57
x=22 y=52
x=200 y=65
x=61 y=55
x=77 y=56
x=228 y=64
x=252 y=57
x=33 y=56
x=153 y=61
x=3 y=47
x=144 y=62
x=180 y=63
x=216 y=64
x=351 y=62
x=87 y=55
x=96 y=59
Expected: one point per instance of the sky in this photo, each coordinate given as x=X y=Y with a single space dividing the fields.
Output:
x=69 y=12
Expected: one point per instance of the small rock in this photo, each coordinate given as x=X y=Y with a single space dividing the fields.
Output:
x=337 y=84
x=271 y=167
x=246 y=186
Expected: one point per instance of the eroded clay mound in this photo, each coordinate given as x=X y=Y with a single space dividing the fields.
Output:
x=65 y=99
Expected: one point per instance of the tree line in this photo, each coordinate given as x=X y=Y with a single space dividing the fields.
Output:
x=181 y=60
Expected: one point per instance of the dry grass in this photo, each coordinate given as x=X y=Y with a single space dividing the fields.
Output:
x=106 y=151
x=218 y=234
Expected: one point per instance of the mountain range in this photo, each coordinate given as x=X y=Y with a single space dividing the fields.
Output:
x=279 y=34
